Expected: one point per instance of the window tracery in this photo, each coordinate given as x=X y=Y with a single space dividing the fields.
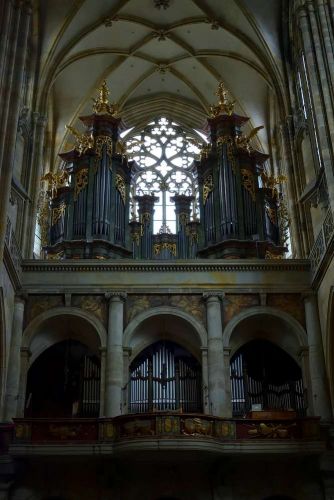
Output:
x=164 y=153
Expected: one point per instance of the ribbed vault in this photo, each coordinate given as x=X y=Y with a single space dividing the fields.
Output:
x=159 y=61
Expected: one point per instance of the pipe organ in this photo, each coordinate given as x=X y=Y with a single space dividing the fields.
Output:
x=165 y=377
x=225 y=204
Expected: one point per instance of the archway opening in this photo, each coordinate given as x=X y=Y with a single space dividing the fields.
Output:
x=264 y=377
x=165 y=377
x=64 y=381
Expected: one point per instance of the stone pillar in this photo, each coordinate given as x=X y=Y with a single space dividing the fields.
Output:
x=103 y=353
x=13 y=372
x=205 y=382
x=39 y=125
x=319 y=390
x=25 y=362
x=13 y=110
x=320 y=94
x=114 y=368
x=216 y=369
x=125 y=388
x=307 y=382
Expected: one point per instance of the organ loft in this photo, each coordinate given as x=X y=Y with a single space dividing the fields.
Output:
x=166 y=239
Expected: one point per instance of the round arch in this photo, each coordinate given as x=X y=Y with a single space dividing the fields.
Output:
x=292 y=341
x=187 y=330
x=93 y=333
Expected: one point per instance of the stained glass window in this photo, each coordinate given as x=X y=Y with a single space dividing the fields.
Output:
x=164 y=153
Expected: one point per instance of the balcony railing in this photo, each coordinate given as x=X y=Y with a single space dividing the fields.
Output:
x=163 y=426
x=322 y=242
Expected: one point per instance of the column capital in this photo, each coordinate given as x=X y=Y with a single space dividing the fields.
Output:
x=303 y=351
x=127 y=350
x=25 y=351
x=309 y=295
x=115 y=296
x=213 y=295
x=21 y=298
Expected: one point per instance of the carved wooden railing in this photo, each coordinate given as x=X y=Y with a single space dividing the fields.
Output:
x=322 y=242
x=162 y=426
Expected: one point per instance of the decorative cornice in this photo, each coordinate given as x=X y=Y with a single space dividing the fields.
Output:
x=163 y=267
x=116 y=295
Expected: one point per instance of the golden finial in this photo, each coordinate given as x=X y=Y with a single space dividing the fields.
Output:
x=225 y=105
x=102 y=104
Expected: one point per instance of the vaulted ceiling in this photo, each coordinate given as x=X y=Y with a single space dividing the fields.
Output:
x=158 y=60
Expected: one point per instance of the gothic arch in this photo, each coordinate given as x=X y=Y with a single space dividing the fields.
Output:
x=194 y=335
x=292 y=341
x=34 y=340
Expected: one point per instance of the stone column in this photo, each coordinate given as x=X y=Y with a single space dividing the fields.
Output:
x=307 y=382
x=205 y=382
x=320 y=97
x=7 y=158
x=103 y=353
x=39 y=126
x=114 y=368
x=25 y=362
x=319 y=391
x=125 y=388
x=14 y=361
x=216 y=370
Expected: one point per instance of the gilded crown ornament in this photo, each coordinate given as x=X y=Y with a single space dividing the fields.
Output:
x=101 y=103
x=225 y=104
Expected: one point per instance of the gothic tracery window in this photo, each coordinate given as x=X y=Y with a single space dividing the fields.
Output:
x=164 y=153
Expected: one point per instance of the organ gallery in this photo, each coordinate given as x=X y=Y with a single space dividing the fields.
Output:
x=166 y=240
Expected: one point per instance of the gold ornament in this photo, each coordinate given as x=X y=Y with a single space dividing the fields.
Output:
x=158 y=247
x=207 y=188
x=225 y=105
x=248 y=181
x=101 y=103
x=83 y=141
x=243 y=142
x=81 y=181
x=120 y=186
x=57 y=213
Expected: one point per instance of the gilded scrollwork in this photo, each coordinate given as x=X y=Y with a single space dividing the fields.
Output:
x=81 y=181
x=55 y=181
x=84 y=142
x=192 y=233
x=120 y=186
x=57 y=213
x=248 y=181
x=100 y=141
x=207 y=187
x=43 y=215
x=228 y=140
x=183 y=218
x=145 y=218
x=55 y=256
x=272 y=182
x=159 y=247
x=283 y=221
x=244 y=141
x=273 y=256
